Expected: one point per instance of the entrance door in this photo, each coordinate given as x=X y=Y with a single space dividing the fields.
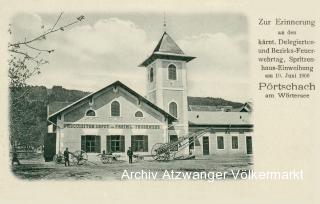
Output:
x=49 y=146
x=205 y=141
x=249 y=145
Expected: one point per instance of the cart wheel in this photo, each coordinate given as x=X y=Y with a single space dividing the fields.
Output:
x=160 y=152
x=73 y=158
x=79 y=157
x=58 y=158
x=154 y=151
x=109 y=160
x=104 y=159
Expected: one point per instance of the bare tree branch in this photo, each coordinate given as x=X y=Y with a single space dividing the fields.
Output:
x=18 y=52
x=57 y=21
x=28 y=63
x=41 y=50
x=43 y=36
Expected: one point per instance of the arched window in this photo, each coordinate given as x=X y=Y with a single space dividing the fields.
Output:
x=138 y=114
x=172 y=72
x=115 y=108
x=90 y=113
x=173 y=109
x=151 y=75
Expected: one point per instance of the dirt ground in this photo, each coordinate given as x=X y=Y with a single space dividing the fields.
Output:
x=37 y=169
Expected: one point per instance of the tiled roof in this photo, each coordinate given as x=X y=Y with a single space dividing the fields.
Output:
x=166 y=49
x=167 y=45
x=247 y=107
x=210 y=108
x=219 y=118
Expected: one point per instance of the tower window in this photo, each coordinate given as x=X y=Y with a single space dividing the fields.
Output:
x=138 y=114
x=90 y=113
x=151 y=75
x=173 y=109
x=172 y=72
x=115 y=108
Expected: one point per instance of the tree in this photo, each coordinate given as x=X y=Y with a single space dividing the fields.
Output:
x=26 y=59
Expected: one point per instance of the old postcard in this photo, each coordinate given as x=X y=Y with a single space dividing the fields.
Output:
x=159 y=102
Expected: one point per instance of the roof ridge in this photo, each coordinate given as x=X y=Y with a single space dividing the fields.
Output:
x=116 y=83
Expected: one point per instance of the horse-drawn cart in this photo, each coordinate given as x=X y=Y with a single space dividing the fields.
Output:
x=108 y=158
x=78 y=157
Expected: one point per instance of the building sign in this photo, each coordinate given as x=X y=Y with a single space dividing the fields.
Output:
x=112 y=126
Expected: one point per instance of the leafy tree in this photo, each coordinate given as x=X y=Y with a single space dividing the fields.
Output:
x=26 y=59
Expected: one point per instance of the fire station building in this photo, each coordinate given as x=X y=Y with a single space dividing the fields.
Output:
x=116 y=117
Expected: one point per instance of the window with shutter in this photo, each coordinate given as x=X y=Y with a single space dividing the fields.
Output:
x=90 y=143
x=115 y=143
x=83 y=142
x=139 y=143
x=108 y=148
x=122 y=145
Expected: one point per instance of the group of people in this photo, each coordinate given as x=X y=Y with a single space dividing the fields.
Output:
x=66 y=154
x=67 y=162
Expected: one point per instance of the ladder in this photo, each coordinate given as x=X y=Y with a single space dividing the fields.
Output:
x=165 y=151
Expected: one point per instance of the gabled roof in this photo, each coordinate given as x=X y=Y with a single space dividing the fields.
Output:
x=53 y=116
x=166 y=49
x=247 y=107
x=55 y=106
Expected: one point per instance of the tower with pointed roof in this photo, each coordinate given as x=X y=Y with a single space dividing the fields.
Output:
x=166 y=70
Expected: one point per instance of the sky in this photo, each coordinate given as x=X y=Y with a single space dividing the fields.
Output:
x=107 y=47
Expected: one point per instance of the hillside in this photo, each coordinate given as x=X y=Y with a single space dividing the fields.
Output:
x=210 y=101
x=28 y=124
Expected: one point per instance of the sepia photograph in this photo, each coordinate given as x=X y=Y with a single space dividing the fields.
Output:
x=163 y=102
x=125 y=96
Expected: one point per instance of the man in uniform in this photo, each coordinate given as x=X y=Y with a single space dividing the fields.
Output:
x=66 y=157
x=130 y=154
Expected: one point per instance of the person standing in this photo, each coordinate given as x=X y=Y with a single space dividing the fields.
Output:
x=15 y=157
x=130 y=154
x=66 y=157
